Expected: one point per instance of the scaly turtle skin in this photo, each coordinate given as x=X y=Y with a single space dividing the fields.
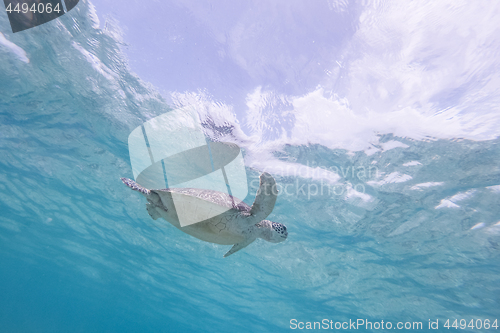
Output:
x=237 y=224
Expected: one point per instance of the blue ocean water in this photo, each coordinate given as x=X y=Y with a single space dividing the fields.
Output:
x=410 y=234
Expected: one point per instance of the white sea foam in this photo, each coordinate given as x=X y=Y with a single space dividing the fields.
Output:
x=93 y=16
x=445 y=203
x=393 y=144
x=328 y=121
x=412 y=163
x=95 y=62
x=426 y=185
x=451 y=201
x=352 y=193
x=258 y=154
x=495 y=188
x=460 y=196
x=18 y=51
x=394 y=177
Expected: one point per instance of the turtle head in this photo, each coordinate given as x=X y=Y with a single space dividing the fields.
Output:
x=272 y=232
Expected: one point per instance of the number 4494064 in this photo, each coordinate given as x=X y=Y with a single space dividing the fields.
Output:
x=34 y=8
x=478 y=324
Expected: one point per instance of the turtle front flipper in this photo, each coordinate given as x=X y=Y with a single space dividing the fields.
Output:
x=265 y=198
x=238 y=246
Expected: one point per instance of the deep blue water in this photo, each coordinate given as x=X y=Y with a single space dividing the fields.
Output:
x=78 y=252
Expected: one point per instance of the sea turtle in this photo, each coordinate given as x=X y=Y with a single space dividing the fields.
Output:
x=238 y=224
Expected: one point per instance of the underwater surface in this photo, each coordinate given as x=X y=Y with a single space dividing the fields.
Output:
x=388 y=165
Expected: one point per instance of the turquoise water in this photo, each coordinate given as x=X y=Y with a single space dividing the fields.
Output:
x=418 y=241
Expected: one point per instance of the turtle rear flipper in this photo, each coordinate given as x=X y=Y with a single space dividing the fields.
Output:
x=150 y=195
x=136 y=187
x=152 y=211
